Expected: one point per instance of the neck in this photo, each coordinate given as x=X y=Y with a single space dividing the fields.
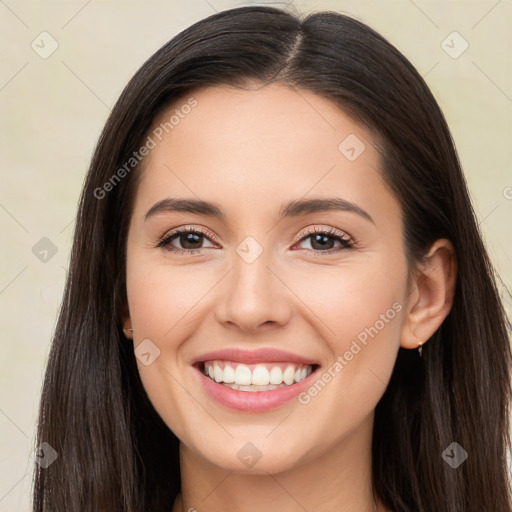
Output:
x=336 y=480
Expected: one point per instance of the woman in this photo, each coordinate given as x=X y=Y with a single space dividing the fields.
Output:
x=278 y=296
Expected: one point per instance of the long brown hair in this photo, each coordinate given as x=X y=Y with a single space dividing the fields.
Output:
x=114 y=451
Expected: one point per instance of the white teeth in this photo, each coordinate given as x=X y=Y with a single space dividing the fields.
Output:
x=276 y=375
x=261 y=378
x=229 y=375
x=289 y=374
x=270 y=387
x=243 y=375
x=218 y=374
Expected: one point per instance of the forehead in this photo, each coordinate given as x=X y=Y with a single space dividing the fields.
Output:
x=259 y=146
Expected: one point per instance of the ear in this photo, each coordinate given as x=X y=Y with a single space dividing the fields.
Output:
x=431 y=296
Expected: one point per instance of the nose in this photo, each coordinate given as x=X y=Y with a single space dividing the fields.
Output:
x=254 y=297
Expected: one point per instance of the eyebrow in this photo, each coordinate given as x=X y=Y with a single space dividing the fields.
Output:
x=292 y=209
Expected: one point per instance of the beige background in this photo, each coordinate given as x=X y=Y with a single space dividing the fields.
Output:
x=52 y=111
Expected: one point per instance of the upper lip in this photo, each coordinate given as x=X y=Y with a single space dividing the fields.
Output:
x=261 y=355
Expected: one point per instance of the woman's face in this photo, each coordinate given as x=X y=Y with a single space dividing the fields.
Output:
x=276 y=285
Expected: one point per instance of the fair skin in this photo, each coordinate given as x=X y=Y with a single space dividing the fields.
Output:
x=250 y=152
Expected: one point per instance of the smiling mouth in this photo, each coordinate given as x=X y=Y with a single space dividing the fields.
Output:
x=255 y=377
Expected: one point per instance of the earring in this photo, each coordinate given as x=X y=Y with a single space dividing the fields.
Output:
x=127 y=331
x=420 y=348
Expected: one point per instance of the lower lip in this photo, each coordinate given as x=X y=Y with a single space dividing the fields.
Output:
x=253 y=401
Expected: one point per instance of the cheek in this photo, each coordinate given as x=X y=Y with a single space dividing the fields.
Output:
x=164 y=304
x=353 y=302
x=359 y=312
x=162 y=298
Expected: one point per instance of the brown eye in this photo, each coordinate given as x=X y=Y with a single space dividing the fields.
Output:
x=190 y=240
x=325 y=240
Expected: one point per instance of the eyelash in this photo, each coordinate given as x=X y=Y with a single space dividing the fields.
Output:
x=347 y=243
